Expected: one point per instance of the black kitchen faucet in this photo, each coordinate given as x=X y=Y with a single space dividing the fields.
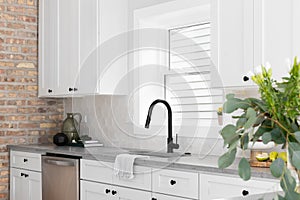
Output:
x=170 y=144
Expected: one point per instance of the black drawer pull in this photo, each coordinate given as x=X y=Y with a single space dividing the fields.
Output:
x=50 y=91
x=25 y=160
x=245 y=192
x=70 y=89
x=154 y=198
x=113 y=192
x=172 y=182
x=107 y=191
x=246 y=78
x=25 y=175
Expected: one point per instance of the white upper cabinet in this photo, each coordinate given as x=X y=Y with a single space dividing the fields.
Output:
x=232 y=35
x=276 y=33
x=72 y=57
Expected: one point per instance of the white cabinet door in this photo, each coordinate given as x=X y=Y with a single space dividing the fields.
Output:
x=25 y=185
x=233 y=20
x=69 y=47
x=273 y=34
x=48 y=48
x=113 y=47
x=86 y=83
x=94 y=191
x=166 y=197
x=216 y=186
x=296 y=28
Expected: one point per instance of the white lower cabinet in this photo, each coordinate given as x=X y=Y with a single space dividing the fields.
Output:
x=25 y=176
x=25 y=185
x=100 y=191
x=215 y=186
x=98 y=182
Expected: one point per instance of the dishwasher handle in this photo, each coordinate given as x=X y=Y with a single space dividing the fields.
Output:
x=64 y=163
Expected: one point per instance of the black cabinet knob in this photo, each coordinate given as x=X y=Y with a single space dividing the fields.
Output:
x=246 y=78
x=50 y=91
x=154 y=198
x=245 y=192
x=113 y=192
x=107 y=191
x=71 y=89
x=172 y=182
x=25 y=175
x=25 y=160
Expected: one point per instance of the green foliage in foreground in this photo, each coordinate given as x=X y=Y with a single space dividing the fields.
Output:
x=274 y=117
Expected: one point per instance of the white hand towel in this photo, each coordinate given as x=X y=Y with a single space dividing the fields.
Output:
x=123 y=167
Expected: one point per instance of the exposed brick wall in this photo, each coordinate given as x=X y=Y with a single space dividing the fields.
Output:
x=24 y=118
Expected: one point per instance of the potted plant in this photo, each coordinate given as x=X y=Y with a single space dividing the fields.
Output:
x=273 y=117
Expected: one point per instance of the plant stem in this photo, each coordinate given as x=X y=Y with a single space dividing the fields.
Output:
x=281 y=126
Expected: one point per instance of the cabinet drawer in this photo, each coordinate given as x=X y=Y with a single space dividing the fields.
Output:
x=141 y=180
x=215 y=186
x=94 y=170
x=24 y=160
x=184 y=184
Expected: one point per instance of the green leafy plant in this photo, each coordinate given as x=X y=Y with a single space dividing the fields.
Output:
x=273 y=117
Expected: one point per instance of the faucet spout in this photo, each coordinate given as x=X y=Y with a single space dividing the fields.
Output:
x=170 y=144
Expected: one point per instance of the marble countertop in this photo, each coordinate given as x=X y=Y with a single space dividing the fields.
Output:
x=199 y=163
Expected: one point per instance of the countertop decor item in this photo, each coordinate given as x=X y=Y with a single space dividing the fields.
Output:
x=220 y=116
x=60 y=139
x=274 y=118
x=71 y=127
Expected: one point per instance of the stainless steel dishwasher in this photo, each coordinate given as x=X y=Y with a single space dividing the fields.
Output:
x=60 y=177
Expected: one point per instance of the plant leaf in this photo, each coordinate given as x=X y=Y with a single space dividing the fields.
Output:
x=231 y=105
x=277 y=167
x=296 y=159
x=260 y=131
x=287 y=183
x=227 y=159
x=292 y=195
x=244 y=141
x=297 y=136
x=251 y=116
x=241 y=122
x=278 y=136
x=280 y=197
x=229 y=134
x=244 y=169
x=266 y=137
x=230 y=96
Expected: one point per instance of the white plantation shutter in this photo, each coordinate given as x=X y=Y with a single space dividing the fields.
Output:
x=188 y=83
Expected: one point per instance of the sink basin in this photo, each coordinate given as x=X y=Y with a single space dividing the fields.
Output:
x=157 y=154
